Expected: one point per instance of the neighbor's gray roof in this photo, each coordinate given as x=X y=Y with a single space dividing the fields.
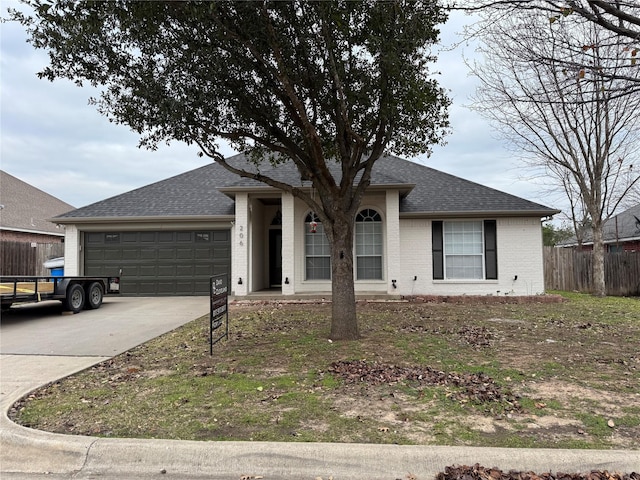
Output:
x=623 y=227
x=196 y=193
x=25 y=208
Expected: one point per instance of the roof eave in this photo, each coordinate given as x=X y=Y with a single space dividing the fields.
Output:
x=479 y=213
x=156 y=219
x=37 y=232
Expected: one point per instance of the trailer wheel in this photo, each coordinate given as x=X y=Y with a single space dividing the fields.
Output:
x=94 y=296
x=74 y=302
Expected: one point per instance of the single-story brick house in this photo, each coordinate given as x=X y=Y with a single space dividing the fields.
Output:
x=419 y=232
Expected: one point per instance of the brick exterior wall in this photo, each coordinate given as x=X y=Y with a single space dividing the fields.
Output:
x=519 y=243
x=631 y=246
x=28 y=237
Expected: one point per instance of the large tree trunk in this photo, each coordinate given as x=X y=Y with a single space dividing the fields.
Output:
x=344 y=323
x=599 y=286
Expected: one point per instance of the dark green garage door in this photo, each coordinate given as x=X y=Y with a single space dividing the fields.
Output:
x=159 y=263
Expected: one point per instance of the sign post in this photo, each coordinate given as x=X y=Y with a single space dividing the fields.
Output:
x=219 y=293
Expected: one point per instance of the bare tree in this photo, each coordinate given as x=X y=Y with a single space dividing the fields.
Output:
x=621 y=17
x=541 y=87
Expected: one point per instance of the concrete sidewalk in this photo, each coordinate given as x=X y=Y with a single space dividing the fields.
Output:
x=27 y=453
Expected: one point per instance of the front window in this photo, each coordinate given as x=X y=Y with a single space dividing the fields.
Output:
x=368 y=245
x=463 y=250
x=316 y=250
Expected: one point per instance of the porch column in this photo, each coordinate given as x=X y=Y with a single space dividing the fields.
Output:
x=393 y=241
x=288 y=251
x=240 y=247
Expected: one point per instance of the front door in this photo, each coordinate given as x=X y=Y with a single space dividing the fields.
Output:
x=275 y=258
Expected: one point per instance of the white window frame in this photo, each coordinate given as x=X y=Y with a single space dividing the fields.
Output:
x=372 y=222
x=459 y=243
x=319 y=239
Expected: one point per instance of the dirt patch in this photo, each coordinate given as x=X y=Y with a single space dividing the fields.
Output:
x=594 y=401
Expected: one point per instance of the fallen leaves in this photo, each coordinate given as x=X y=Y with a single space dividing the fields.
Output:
x=477 y=387
x=478 y=472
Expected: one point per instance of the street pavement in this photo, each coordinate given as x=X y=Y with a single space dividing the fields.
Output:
x=40 y=344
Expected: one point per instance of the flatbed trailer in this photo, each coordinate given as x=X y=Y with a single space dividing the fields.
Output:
x=75 y=293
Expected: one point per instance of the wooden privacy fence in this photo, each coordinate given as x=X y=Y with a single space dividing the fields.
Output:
x=23 y=258
x=570 y=270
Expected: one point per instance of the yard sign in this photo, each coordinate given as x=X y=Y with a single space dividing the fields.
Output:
x=219 y=309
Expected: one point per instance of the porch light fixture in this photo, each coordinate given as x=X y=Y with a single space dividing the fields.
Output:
x=286 y=280
x=239 y=280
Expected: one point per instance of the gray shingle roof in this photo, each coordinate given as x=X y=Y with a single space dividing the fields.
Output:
x=623 y=227
x=26 y=208
x=196 y=193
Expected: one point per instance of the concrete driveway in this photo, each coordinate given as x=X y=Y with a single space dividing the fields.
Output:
x=118 y=325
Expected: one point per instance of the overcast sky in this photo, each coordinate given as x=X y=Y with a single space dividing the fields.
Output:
x=52 y=139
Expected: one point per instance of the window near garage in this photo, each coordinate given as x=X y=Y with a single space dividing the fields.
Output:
x=368 y=245
x=111 y=238
x=464 y=250
x=203 y=237
x=316 y=250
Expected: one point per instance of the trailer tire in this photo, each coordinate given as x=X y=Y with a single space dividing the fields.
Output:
x=74 y=301
x=94 y=295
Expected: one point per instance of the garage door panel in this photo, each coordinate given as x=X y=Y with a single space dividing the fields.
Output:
x=221 y=236
x=184 y=270
x=166 y=253
x=147 y=237
x=184 y=253
x=148 y=271
x=166 y=270
x=159 y=263
x=147 y=253
x=220 y=269
x=130 y=253
x=203 y=253
x=145 y=288
x=129 y=237
x=113 y=254
x=167 y=287
x=94 y=255
x=203 y=270
x=184 y=287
